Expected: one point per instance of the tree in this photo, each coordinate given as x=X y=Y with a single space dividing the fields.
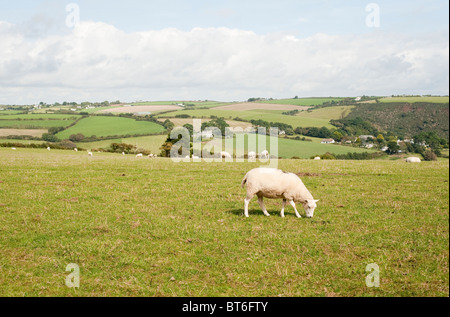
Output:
x=380 y=139
x=337 y=136
x=76 y=137
x=393 y=147
x=49 y=137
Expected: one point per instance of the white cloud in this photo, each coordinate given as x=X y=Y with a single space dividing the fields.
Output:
x=97 y=61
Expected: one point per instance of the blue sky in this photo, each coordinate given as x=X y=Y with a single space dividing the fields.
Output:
x=228 y=50
x=300 y=18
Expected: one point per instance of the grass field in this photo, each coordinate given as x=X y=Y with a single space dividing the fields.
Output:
x=151 y=142
x=267 y=115
x=302 y=101
x=415 y=99
x=293 y=148
x=35 y=124
x=39 y=116
x=106 y=126
x=151 y=227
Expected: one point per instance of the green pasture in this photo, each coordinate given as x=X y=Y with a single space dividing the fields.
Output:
x=109 y=126
x=151 y=143
x=302 y=101
x=286 y=148
x=152 y=227
x=266 y=115
x=436 y=99
x=35 y=124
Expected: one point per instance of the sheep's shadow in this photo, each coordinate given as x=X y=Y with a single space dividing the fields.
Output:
x=257 y=212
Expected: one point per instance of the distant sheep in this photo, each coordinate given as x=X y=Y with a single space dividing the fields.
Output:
x=264 y=154
x=13 y=148
x=317 y=158
x=90 y=153
x=413 y=159
x=150 y=155
x=224 y=154
x=139 y=155
x=274 y=183
x=195 y=157
x=48 y=148
x=75 y=149
x=123 y=153
x=251 y=155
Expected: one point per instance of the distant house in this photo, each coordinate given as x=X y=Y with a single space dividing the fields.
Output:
x=327 y=141
x=358 y=98
x=282 y=132
x=368 y=146
x=364 y=138
x=384 y=148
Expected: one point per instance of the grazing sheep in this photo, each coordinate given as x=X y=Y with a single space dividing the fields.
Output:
x=317 y=158
x=13 y=148
x=75 y=149
x=123 y=153
x=195 y=157
x=150 y=155
x=90 y=153
x=413 y=159
x=251 y=155
x=224 y=154
x=274 y=183
x=264 y=154
x=48 y=148
x=139 y=155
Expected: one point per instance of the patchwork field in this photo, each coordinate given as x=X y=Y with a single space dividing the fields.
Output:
x=416 y=99
x=32 y=132
x=110 y=126
x=137 y=109
x=267 y=115
x=152 y=227
x=244 y=106
x=151 y=143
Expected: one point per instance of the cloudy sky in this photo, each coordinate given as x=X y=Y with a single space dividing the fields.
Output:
x=56 y=50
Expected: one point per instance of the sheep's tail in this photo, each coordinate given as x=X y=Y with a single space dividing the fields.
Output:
x=244 y=180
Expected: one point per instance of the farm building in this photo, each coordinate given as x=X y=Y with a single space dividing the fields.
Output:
x=327 y=141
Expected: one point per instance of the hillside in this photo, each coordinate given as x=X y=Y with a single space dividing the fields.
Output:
x=406 y=119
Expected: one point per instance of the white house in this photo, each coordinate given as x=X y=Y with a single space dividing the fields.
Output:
x=327 y=141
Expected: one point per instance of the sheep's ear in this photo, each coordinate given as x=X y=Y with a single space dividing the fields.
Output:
x=316 y=200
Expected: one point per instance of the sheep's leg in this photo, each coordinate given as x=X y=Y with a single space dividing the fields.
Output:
x=246 y=202
x=261 y=204
x=293 y=205
x=282 y=208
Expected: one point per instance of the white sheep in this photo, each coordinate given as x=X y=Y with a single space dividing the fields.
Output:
x=123 y=153
x=224 y=154
x=251 y=155
x=274 y=183
x=413 y=159
x=90 y=153
x=75 y=149
x=150 y=155
x=48 y=148
x=139 y=155
x=13 y=148
x=317 y=158
x=264 y=154
x=195 y=157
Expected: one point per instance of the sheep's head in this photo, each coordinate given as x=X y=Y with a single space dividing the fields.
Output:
x=309 y=206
